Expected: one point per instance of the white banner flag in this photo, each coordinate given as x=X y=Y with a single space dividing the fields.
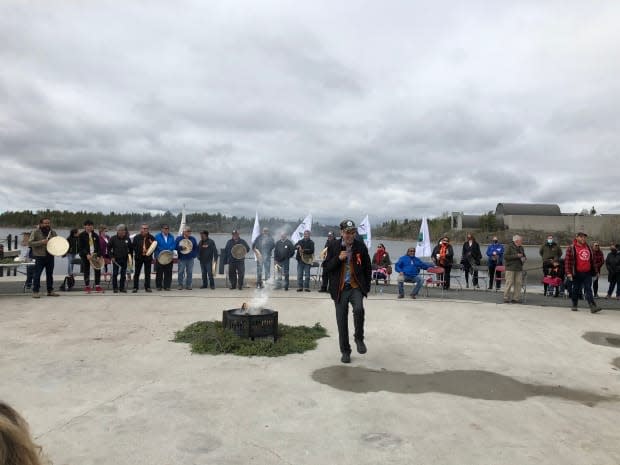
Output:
x=424 y=249
x=363 y=230
x=299 y=232
x=255 y=233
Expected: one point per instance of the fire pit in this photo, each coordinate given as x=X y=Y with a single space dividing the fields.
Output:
x=251 y=323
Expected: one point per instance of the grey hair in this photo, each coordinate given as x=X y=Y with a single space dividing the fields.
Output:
x=121 y=227
x=515 y=238
x=187 y=228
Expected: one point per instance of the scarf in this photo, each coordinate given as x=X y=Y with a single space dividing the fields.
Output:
x=379 y=256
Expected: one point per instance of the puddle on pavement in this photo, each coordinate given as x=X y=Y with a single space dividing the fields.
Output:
x=602 y=339
x=616 y=362
x=475 y=384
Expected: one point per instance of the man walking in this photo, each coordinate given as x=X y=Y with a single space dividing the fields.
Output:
x=350 y=273
x=579 y=267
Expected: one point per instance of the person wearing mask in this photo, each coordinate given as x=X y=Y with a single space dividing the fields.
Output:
x=325 y=273
x=305 y=249
x=282 y=254
x=119 y=248
x=470 y=258
x=550 y=252
x=599 y=261
x=612 y=263
x=514 y=258
x=141 y=244
x=443 y=256
x=89 y=246
x=495 y=257
x=236 y=264
x=207 y=256
x=163 y=273
x=43 y=260
x=350 y=273
x=408 y=268
x=381 y=265
x=580 y=268
x=264 y=244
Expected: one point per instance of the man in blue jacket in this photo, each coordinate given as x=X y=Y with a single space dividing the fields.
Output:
x=408 y=269
x=495 y=254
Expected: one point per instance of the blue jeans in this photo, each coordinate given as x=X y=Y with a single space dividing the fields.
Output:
x=411 y=279
x=266 y=266
x=185 y=272
x=70 y=265
x=303 y=275
x=284 y=271
x=43 y=263
x=119 y=266
x=207 y=274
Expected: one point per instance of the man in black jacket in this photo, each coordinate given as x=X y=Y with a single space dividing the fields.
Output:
x=282 y=254
x=119 y=249
x=349 y=267
x=89 y=245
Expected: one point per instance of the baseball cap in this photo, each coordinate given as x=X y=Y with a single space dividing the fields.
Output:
x=581 y=233
x=347 y=225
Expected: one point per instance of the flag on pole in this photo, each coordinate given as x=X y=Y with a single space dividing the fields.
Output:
x=255 y=232
x=424 y=249
x=183 y=221
x=363 y=230
x=306 y=225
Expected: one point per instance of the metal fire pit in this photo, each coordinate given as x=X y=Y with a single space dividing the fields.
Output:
x=264 y=323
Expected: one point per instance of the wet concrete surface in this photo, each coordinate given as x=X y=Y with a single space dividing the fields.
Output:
x=603 y=339
x=616 y=362
x=475 y=384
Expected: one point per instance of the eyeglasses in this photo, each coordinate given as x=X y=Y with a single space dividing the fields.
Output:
x=165 y=227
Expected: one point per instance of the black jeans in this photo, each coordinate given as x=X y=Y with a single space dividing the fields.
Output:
x=86 y=267
x=582 y=281
x=284 y=272
x=492 y=277
x=119 y=266
x=146 y=261
x=468 y=268
x=207 y=274
x=236 y=272
x=355 y=297
x=163 y=275
x=43 y=263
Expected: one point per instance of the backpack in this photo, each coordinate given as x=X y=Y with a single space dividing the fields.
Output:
x=68 y=283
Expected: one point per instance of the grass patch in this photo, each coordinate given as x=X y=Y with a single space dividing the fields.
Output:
x=210 y=337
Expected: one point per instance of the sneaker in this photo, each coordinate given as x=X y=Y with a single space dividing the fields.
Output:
x=212 y=287
x=166 y=288
x=36 y=295
x=52 y=294
x=346 y=358
x=98 y=289
x=595 y=308
x=148 y=290
x=307 y=290
x=361 y=347
x=188 y=288
x=201 y=287
x=300 y=290
x=400 y=296
x=87 y=289
x=124 y=291
x=232 y=288
x=413 y=296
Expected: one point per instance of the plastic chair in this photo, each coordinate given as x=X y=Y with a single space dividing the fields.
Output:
x=500 y=275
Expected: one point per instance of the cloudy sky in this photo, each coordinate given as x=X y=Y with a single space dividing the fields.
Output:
x=396 y=109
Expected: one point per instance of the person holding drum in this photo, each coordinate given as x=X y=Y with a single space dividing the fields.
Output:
x=119 y=248
x=305 y=258
x=264 y=244
x=163 y=258
x=234 y=254
x=282 y=254
x=43 y=259
x=187 y=247
x=144 y=244
x=91 y=255
x=208 y=260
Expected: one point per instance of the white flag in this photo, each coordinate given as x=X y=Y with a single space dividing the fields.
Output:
x=363 y=230
x=255 y=233
x=424 y=249
x=183 y=221
x=306 y=225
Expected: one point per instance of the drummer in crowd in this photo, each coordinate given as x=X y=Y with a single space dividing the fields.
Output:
x=304 y=257
x=163 y=273
x=43 y=260
x=141 y=243
x=236 y=266
x=187 y=253
x=208 y=259
x=89 y=246
x=119 y=248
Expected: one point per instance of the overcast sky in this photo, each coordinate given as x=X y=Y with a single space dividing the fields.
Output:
x=395 y=109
